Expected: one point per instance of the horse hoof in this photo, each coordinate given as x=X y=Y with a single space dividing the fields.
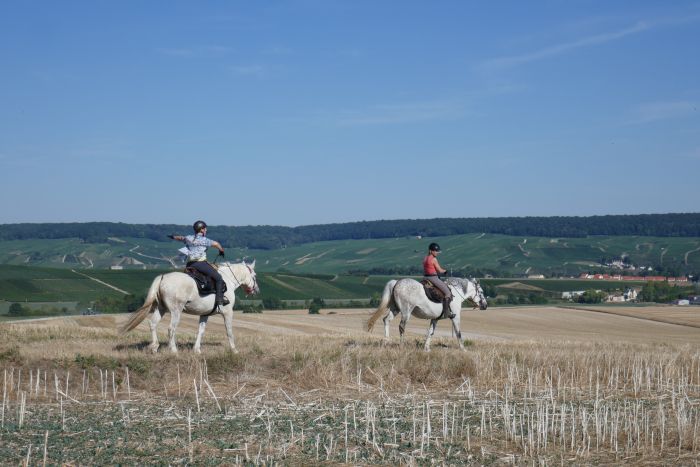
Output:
x=154 y=349
x=198 y=351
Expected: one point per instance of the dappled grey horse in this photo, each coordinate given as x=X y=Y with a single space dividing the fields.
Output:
x=407 y=296
x=177 y=293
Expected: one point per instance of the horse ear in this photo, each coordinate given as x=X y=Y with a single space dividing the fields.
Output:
x=252 y=265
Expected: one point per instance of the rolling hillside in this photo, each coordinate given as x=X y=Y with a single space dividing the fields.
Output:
x=500 y=255
x=58 y=287
x=34 y=284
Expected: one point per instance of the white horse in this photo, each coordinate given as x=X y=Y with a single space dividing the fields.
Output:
x=176 y=292
x=407 y=296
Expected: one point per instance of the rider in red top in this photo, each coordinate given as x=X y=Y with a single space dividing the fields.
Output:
x=431 y=269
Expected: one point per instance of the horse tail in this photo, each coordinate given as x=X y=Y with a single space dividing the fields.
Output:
x=383 y=305
x=148 y=306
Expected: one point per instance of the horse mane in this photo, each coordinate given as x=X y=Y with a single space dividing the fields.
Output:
x=459 y=281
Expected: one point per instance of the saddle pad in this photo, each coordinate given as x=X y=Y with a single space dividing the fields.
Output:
x=433 y=293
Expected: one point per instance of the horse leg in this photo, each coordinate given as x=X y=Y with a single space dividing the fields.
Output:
x=200 y=333
x=387 y=321
x=431 y=331
x=174 y=321
x=155 y=319
x=457 y=332
x=228 y=322
x=402 y=327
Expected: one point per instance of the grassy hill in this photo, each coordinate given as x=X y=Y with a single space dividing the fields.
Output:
x=55 y=287
x=32 y=284
x=497 y=254
x=505 y=255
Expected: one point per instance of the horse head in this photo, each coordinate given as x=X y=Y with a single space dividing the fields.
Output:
x=480 y=296
x=244 y=274
x=474 y=293
x=251 y=286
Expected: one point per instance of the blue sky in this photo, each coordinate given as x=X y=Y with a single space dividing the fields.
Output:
x=306 y=112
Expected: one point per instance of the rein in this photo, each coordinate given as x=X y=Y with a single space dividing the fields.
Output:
x=228 y=265
x=464 y=297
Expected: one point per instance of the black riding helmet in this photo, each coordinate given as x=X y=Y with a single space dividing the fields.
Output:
x=198 y=226
x=434 y=247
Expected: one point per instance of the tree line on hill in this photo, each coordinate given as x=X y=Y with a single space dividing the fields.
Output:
x=269 y=237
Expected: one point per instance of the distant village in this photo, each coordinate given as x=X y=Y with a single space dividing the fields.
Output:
x=630 y=294
x=620 y=277
x=623 y=265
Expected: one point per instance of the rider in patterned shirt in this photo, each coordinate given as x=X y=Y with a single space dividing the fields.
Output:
x=197 y=245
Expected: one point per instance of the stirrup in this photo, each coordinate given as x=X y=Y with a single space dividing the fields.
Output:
x=447 y=311
x=224 y=301
x=444 y=315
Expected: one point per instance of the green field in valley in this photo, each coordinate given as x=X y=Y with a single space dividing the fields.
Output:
x=51 y=285
x=30 y=284
x=500 y=255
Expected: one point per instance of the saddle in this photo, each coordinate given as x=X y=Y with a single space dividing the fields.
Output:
x=433 y=293
x=205 y=284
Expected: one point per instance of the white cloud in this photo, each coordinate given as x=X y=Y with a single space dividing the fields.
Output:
x=559 y=49
x=694 y=154
x=677 y=19
x=278 y=50
x=248 y=70
x=401 y=113
x=663 y=110
x=194 y=52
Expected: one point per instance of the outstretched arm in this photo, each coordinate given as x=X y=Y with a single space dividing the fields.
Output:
x=218 y=246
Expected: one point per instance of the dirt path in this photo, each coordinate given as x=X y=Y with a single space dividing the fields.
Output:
x=681 y=316
x=167 y=260
x=540 y=324
x=688 y=253
x=101 y=282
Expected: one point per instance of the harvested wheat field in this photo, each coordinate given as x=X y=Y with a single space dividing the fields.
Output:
x=535 y=385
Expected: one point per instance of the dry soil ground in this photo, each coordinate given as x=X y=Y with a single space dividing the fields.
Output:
x=536 y=385
x=661 y=324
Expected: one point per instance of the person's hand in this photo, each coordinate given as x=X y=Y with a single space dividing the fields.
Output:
x=171 y=236
x=221 y=253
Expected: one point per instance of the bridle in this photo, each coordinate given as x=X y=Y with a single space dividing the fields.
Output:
x=249 y=290
x=464 y=297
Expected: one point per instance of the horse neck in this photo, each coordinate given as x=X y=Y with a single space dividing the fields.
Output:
x=471 y=288
x=233 y=277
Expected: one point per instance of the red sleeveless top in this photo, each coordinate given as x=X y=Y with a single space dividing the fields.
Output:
x=429 y=266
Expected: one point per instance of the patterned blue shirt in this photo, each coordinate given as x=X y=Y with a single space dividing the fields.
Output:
x=197 y=247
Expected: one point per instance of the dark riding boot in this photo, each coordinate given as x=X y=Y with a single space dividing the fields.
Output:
x=220 y=300
x=446 y=311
